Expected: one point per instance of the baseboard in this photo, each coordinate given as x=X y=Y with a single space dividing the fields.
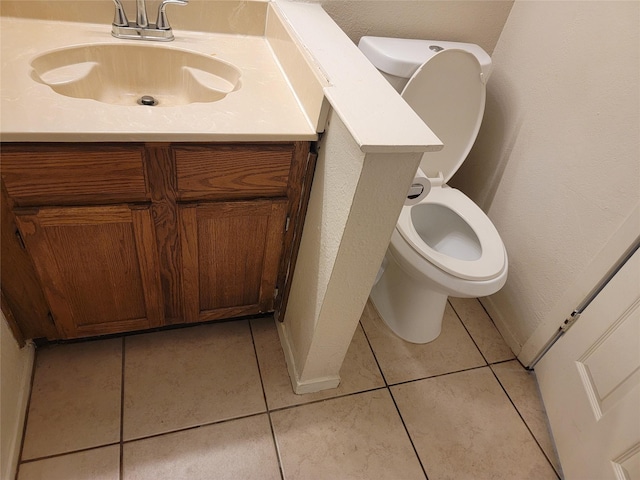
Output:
x=301 y=387
x=15 y=425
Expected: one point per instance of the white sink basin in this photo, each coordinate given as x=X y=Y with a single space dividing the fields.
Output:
x=122 y=74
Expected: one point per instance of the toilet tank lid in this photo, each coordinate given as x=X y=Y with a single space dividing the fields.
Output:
x=401 y=57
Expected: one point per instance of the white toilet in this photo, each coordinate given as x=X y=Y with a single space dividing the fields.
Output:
x=444 y=245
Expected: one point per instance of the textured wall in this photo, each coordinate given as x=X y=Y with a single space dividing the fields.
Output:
x=556 y=164
x=225 y=16
x=469 y=21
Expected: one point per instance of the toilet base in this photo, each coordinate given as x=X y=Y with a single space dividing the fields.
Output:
x=412 y=309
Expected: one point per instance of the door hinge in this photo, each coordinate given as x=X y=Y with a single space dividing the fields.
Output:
x=277 y=309
x=569 y=321
x=286 y=225
x=20 y=240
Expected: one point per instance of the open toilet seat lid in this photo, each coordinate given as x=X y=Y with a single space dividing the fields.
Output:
x=492 y=260
x=448 y=93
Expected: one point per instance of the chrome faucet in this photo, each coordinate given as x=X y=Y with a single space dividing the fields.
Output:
x=141 y=29
x=141 y=14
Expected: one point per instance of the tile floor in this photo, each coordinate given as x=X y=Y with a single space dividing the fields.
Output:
x=214 y=402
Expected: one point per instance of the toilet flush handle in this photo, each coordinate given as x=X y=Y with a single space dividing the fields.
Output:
x=415 y=191
x=420 y=188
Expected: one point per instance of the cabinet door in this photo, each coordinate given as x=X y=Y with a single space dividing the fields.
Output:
x=98 y=267
x=230 y=256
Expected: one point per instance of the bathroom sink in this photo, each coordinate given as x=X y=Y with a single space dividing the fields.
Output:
x=126 y=74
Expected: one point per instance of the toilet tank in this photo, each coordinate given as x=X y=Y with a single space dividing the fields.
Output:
x=399 y=58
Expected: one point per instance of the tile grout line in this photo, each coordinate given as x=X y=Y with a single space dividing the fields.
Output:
x=474 y=341
x=404 y=425
x=327 y=399
x=489 y=364
x=388 y=386
x=489 y=316
x=406 y=429
x=266 y=404
x=121 y=443
x=428 y=376
x=80 y=450
x=524 y=422
x=71 y=452
x=404 y=382
x=384 y=378
x=469 y=333
x=183 y=429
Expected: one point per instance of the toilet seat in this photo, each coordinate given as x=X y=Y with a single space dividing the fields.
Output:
x=448 y=93
x=490 y=259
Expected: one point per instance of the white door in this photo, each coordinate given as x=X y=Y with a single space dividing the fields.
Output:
x=590 y=384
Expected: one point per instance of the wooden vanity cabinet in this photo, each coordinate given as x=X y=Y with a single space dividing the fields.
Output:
x=130 y=237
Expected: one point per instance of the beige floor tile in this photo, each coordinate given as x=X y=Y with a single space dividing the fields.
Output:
x=522 y=388
x=75 y=399
x=359 y=371
x=464 y=427
x=237 y=449
x=97 y=464
x=187 y=377
x=354 y=437
x=482 y=329
x=401 y=361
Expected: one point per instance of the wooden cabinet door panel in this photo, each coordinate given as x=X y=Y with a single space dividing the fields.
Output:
x=98 y=266
x=230 y=256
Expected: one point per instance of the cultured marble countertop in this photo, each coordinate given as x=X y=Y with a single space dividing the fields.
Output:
x=264 y=108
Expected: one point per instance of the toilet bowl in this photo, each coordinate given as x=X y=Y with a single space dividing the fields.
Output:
x=444 y=245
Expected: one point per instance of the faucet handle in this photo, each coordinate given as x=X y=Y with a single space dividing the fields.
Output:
x=163 y=22
x=120 y=18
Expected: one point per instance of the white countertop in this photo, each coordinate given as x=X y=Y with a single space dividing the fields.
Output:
x=265 y=108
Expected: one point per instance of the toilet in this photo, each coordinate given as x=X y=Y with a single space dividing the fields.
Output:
x=444 y=244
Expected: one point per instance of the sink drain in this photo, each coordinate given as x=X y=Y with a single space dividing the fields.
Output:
x=147 y=100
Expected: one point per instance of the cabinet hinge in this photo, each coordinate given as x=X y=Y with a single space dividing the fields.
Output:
x=20 y=240
x=286 y=225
